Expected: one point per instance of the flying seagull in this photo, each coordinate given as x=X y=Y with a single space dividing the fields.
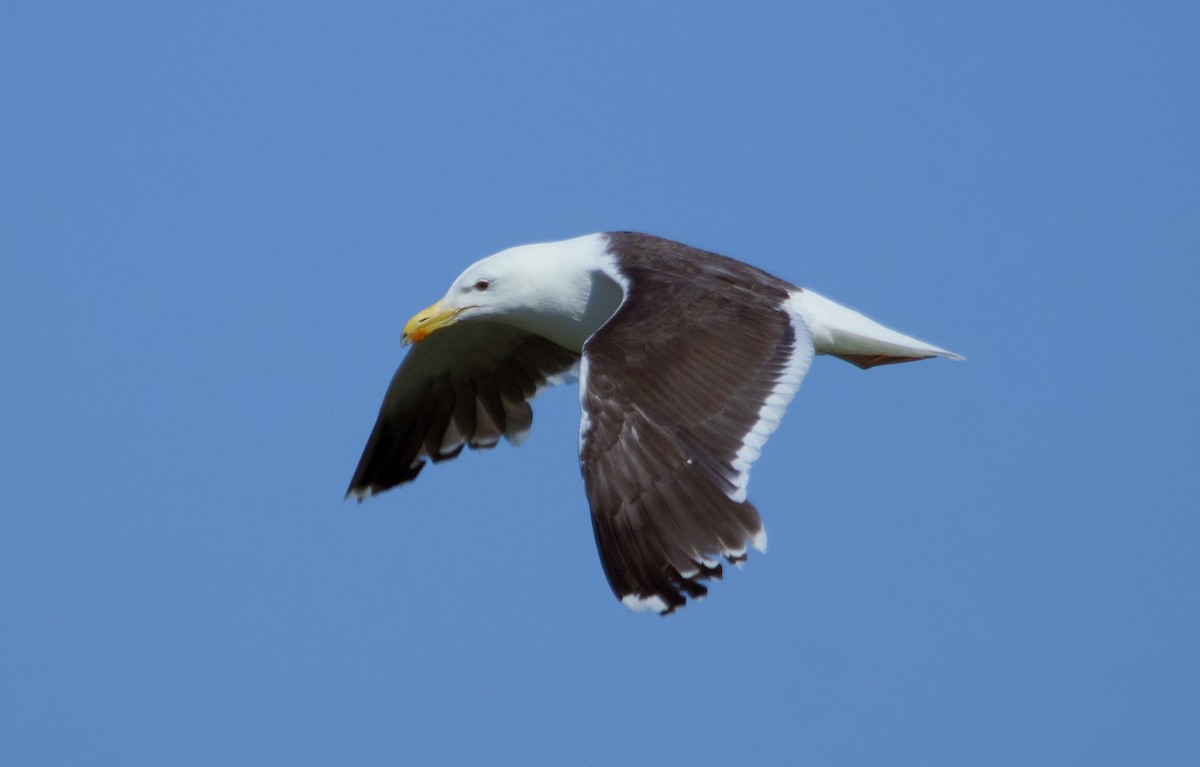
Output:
x=686 y=361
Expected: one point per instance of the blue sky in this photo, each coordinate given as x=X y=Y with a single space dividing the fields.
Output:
x=214 y=221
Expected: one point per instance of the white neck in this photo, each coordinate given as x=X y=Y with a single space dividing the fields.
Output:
x=577 y=286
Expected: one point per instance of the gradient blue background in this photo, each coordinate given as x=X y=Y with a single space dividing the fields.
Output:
x=214 y=221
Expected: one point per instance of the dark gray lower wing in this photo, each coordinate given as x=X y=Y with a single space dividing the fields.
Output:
x=680 y=390
x=466 y=385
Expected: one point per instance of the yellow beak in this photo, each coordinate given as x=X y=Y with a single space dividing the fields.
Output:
x=427 y=321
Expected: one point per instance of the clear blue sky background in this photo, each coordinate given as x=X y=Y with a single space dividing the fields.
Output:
x=213 y=222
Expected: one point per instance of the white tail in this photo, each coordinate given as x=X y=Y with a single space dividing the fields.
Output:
x=848 y=335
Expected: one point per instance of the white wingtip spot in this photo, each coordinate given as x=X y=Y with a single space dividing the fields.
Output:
x=643 y=604
x=517 y=438
x=760 y=540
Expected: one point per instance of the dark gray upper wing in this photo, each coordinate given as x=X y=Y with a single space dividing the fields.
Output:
x=680 y=390
x=466 y=385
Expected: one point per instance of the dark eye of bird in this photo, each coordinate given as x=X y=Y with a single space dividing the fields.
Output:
x=481 y=285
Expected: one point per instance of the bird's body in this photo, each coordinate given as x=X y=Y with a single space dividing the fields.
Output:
x=686 y=362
